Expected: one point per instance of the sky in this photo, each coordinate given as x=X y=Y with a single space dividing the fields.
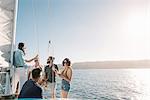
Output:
x=85 y=30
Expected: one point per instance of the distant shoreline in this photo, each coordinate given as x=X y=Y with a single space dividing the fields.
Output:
x=112 y=68
x=126 y=64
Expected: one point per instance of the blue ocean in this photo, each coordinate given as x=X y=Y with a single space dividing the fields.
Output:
x=109 y=84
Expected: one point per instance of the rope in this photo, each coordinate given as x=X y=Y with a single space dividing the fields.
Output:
x=48 y=49
x=50 y=46
x=35 y=27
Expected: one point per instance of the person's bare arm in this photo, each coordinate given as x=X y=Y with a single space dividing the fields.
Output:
x=32 y=59
x=69 y=73
x=29 y=74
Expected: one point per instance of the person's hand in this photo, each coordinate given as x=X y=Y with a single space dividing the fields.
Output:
x=42 y=80
x=45 y=78
x=58 y=72
x=61 y=76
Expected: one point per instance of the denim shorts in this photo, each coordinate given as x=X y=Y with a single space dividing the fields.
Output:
x=65 y=85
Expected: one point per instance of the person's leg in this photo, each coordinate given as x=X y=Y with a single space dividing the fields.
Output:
x=64 y=94
x=29 y=75
x=46 y=90
x=50 y=90
x=65 y=89
x=52 y=93
x=15 y=82
x=23 y=76
x=17 y=87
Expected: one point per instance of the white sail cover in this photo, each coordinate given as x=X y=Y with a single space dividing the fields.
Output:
x=7 y=10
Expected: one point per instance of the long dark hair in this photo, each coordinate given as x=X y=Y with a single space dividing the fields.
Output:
x=67 y=61
x=20 y=47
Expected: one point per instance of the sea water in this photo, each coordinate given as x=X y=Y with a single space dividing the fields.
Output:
x=108 y=84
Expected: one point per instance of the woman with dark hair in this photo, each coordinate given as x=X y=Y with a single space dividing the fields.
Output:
x=66 y=76
x=20 y=66
x=36 y=65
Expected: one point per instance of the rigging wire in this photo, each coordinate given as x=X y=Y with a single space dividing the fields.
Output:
x=35 y=30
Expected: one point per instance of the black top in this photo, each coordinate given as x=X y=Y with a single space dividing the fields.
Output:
x=50 y=73
x=30 y=90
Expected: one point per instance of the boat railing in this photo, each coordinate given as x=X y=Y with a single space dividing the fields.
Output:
x=5 y=86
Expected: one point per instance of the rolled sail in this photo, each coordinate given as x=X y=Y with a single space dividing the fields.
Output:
x=7 y=11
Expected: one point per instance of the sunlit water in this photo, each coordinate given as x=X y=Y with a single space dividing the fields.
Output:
x=109 y=84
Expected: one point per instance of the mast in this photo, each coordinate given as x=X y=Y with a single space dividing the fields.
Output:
x=12 y=69
x=14 y=31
